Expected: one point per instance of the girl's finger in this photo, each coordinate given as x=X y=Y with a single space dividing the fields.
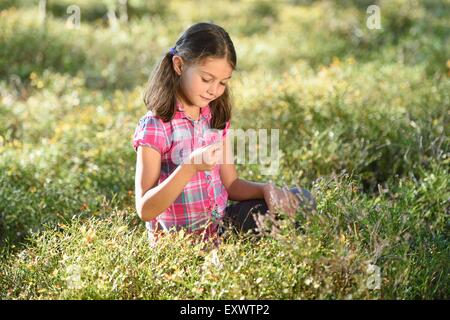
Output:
x=295 y=200
x=218 y=146
x=285 y=195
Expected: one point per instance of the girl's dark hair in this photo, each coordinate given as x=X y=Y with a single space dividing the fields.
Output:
x=199 y=41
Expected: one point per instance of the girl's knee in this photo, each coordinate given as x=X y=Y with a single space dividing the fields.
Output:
x=307 y=201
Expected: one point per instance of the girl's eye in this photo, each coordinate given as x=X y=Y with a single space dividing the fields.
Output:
x=209 y=81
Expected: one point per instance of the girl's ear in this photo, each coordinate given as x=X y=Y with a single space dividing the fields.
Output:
x=177 y=63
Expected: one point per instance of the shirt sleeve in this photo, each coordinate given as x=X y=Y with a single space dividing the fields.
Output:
x=227 y=127
x=150 y=132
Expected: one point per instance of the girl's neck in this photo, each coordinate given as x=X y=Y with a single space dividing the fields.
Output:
x=189 y=109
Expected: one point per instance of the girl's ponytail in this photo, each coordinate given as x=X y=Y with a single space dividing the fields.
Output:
x=159 y=95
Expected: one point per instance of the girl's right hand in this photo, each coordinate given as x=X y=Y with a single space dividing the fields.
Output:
x=206 y=157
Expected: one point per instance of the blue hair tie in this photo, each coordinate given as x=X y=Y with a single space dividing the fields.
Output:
x=172 y=51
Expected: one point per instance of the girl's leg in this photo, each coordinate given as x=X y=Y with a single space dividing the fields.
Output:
x=307 y=200
x=239 y=216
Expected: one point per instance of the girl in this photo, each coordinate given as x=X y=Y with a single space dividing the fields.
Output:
x=179 y=142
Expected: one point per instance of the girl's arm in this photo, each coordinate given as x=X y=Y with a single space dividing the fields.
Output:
x=245 y=190
x=158 y=199
x=240 y=190
x=237 y=189
x=150 y=202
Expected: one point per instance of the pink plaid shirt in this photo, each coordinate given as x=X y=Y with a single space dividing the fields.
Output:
x=201 y=204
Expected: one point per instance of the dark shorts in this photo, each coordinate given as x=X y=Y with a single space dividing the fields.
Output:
x=240 y=216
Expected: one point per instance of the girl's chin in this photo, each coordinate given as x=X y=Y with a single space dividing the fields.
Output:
x=203 y=102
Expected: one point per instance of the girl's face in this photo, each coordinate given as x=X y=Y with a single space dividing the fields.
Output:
x=204 y=82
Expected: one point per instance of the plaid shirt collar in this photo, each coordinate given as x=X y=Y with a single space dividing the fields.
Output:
x=205 y=112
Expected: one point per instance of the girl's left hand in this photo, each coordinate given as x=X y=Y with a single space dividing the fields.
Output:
x=280 y=199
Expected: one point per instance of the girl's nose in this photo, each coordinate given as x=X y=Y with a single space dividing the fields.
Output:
x=213 y=89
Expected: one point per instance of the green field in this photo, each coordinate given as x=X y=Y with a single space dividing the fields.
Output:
x=365 y=126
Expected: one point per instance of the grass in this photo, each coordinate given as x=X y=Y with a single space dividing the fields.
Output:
x=364 y=118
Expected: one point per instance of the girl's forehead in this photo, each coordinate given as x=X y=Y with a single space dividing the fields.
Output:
x=217 y=67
